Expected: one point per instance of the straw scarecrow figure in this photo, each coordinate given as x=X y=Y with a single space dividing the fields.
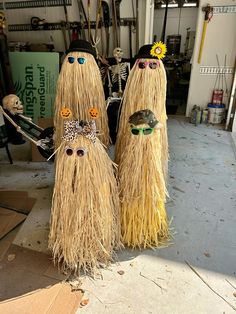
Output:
x=145 y=89
x=142 y=150
x=85 y=222
x=144 y=222
x=80 y=90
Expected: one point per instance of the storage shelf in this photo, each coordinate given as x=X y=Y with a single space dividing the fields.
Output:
x=59 y=26
x=34 y=4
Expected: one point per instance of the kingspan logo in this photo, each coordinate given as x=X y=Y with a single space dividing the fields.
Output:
x=30 y=94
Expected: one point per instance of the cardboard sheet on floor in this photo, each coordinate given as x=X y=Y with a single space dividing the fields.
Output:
x=56 y=299
x=10 y=193
x=9 y=219
x=17 y=200
x=28 y=284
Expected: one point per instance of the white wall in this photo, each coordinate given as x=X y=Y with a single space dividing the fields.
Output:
x=177 y=18
x=56 y=14
x=220 y=39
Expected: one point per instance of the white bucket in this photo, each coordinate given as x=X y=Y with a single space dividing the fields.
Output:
x=216 y=115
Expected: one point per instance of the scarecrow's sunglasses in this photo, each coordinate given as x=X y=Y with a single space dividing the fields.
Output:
x=152 y=64
x=79 y=151
x=80 y=60
x=144 y=131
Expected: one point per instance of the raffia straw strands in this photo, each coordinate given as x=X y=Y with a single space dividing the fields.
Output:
x=79 y=88
x=85 y=217
x=144 y=221
x=145 y=89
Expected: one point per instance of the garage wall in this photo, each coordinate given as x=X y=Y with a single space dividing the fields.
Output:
x=221 y=40
x=188 y=20
x=56 y=14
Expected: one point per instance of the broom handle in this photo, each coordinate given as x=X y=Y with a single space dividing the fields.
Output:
x=98 y=17
x=89 y=26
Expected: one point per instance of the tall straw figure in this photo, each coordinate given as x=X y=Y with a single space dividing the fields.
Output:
x=142 y=152
x=145 y=89
x=85 y=221
x=80 y=91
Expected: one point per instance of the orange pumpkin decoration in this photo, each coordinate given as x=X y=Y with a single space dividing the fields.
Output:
x=65 y=113
x=93 y=113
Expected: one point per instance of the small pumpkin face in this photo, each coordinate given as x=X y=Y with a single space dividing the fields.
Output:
x=94 y=113
x=65 y=113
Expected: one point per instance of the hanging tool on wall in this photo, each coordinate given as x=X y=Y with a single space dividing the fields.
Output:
x=86 y=18
x=89 y=20
x=132 y=29
x=226 y=87
x=82 y=18
x=38 y=24
x=98 y=23
x=76 y=33
x=116 y=22
x=137 y=26
x=63 y=29
x=208 y=16
x=67 y=27
x=218 y=90
x=130 y=40
x=106 y=22
x=117 y=6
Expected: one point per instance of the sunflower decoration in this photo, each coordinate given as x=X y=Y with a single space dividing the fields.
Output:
x=158 y=50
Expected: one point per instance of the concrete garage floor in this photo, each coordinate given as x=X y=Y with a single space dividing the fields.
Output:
x=202 y=203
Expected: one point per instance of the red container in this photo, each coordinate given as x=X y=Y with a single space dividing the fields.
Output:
x=217 y=96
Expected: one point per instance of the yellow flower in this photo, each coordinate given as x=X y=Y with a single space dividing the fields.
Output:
x=158 y=50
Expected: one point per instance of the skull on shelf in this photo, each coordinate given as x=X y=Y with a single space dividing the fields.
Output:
x=2 y=20
x=13 y=104
x=118 y=54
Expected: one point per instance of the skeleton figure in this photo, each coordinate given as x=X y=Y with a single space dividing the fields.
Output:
x=2 y=20
x=119 y=72
x=118 y=54
x=13 y=104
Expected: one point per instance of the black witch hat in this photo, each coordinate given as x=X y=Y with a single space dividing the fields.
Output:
x=145 y=52
x=83 y=46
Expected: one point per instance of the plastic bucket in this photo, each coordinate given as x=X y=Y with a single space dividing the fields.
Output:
x=216 y=113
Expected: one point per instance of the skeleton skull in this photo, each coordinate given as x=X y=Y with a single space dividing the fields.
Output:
x=118 y=54
x=2 y=20
x=13 y=104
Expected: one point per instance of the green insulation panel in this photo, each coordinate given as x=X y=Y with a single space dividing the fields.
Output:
x=35 y=76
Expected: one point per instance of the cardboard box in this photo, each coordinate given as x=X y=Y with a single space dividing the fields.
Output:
x=35 y=76
x=44 y=123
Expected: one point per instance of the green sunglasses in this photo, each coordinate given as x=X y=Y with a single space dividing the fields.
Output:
x=144 y=131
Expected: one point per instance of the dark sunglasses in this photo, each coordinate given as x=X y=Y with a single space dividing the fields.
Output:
x=144 y=131
x=152 y=64
x=80 y=60
x=80 y=152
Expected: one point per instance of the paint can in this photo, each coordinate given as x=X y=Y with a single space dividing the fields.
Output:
x=216 y=113
x=204 y=115
x=196 y=113
x=217 y=96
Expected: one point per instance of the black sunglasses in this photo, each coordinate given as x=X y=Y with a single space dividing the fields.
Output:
x=80 y=152
x=80 y=60
x=143 y=64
